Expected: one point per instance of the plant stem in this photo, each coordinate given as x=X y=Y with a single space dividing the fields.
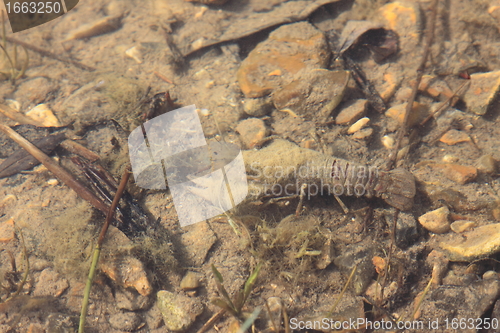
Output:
x=97 y=250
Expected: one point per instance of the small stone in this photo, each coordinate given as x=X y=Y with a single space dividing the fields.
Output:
x=38 y=90
x=436 y=221
x=487 y=164
x=7 y=231
x=388 y=141
x=252 y=131
x=197 y=241
x=105 y=25
x=363 y=134
x=439 y=263
x=326 y=256
x=380 y=264
x=418 y=113
x=449 y=158
x=210 y=84
x=451 y=301
x=454 y=136
x=406 y=228
x=135 y=53
x=358 y=125
x=490 y=275
x=403 y=17
x=128 y=271
x=481 y=242
x=391 y=83
x=50 y=283
x=130 y=300
x=357 y=254
x=482 y=92
x=458 y=173
x=179 y=312
x=496 y=213
x=352 y=113
x=154 y=318
x=126 y=321
x=52 y=182
x=289 y=48
x=257 y=107
x=462 y=225
x=43 y=115
x=435 y=87
x=12 y=103
x=314 y=94
x=59 y=322
x=190 y=281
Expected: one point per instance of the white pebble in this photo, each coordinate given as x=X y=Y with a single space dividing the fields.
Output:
x=358 y=125
x=388 y=141
x=450 y=158
x=13 y=104
x=135 y=53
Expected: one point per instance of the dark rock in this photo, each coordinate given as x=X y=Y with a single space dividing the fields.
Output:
x=361 y=255
x=450 y=302
x=406 y=228
x=126 y=321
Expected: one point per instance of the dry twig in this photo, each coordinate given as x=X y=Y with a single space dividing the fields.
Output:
x=53 y=167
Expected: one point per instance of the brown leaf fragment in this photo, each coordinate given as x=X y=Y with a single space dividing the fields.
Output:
x=21 y=160
x=383 y=43
x=353 y=30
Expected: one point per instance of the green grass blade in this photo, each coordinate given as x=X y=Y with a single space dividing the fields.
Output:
x=250 y=282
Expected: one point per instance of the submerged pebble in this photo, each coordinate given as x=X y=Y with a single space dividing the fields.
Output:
x=482 y=92
x=453 y=136
x=128 y=272
x=483 y=241
x=418 y=113
x=436 y=221
x=358 y=125
x=289 y=48
x=190 y=281
x=364 y=133
x=388 y=141
x=314 y=95
x=487 y=164
x=404 y=18
x=179 y=311
x=406 y=228
x=352 y=113
x=462 y=225
x=50 y=283
x=257 y=107
x=252 y=131
x=135 y=53
x=360 y=255
x=43 y=115
x=96 y=28
x=126 y=321
x=439 y=263
x=460 y=174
